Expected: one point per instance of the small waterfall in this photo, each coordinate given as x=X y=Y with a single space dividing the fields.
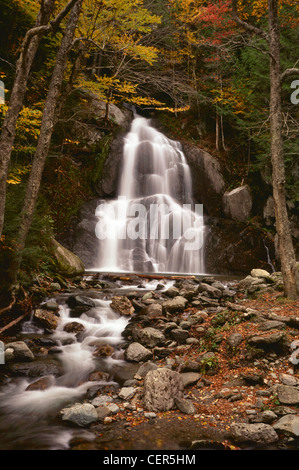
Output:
x=154 y=225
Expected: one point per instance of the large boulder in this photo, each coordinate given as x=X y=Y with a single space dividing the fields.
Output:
x=69 y=263
x=238 y=203
x=161 y=388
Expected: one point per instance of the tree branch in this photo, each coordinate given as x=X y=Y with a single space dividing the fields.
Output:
x=289 y=72
x=52 y=26
x=247 y=26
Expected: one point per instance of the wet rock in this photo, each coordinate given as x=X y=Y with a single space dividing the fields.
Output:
x=161 y=387
x=148 y=337
x=41 y=384
x=80 y=301
x=258 y=433
x=209 y=290
x=98 y=375
x=46 y=319
x=80 y=414
x=104 y=350
x=137 y=353
x=122 y=305
x=36 y=368
x=74 y=327
x=18 y=351
x=172 y=292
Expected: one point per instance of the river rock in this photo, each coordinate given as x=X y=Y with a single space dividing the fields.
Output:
x=258 y=433
x=288 y=424
x=80 y=301
x=126 y=393
x=179 y=335
x=82 y=414
x=137 y=353
x=36 y=368
x=148 y=337
x=154 y=310
x=18 y=351
x=177 y=304
x=73 y=327
x=161 y=387
x=46 y=319
x=237 y=203
x=41 y=384
x=122 y=305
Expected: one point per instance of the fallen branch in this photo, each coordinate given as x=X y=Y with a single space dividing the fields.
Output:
x=14 y=322
x=5 y=309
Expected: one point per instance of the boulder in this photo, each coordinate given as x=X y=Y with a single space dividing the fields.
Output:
x=122 y=305
x=177 y=304
x=80 y=414
x=258 y=433
x=288 y=424
x=259 y=273
x=137 y=353
x=68 y=263
x=148 y=337
x=46 y=319
x=238 y=203
x=161 y=387
x=18 y=351
x=287 y=394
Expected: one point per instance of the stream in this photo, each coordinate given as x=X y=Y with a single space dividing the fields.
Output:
x=29 y=419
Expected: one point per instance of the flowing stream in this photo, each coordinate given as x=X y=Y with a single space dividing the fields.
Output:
x=28 y=418
x=154 y=225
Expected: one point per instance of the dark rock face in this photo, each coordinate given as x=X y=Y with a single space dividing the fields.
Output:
x=107 y=184
x=207 y=179
x=234 y=248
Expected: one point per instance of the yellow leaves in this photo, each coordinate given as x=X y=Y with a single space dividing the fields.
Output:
x=15 y=175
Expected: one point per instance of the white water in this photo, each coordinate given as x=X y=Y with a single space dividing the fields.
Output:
x=25 y=415
x=153 y=225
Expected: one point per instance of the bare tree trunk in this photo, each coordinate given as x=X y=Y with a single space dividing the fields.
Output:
x=29 y=47
x=46 y=130
x=16 y=102
x=286 y=250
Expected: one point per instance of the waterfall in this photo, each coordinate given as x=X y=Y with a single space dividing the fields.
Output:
x=154 y=225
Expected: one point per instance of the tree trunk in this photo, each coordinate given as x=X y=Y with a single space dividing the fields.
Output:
x=16 y=101
x=46 y=130
x=286 y=250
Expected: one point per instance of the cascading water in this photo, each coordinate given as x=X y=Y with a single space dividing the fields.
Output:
x=28 y=417
x=167 y=235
